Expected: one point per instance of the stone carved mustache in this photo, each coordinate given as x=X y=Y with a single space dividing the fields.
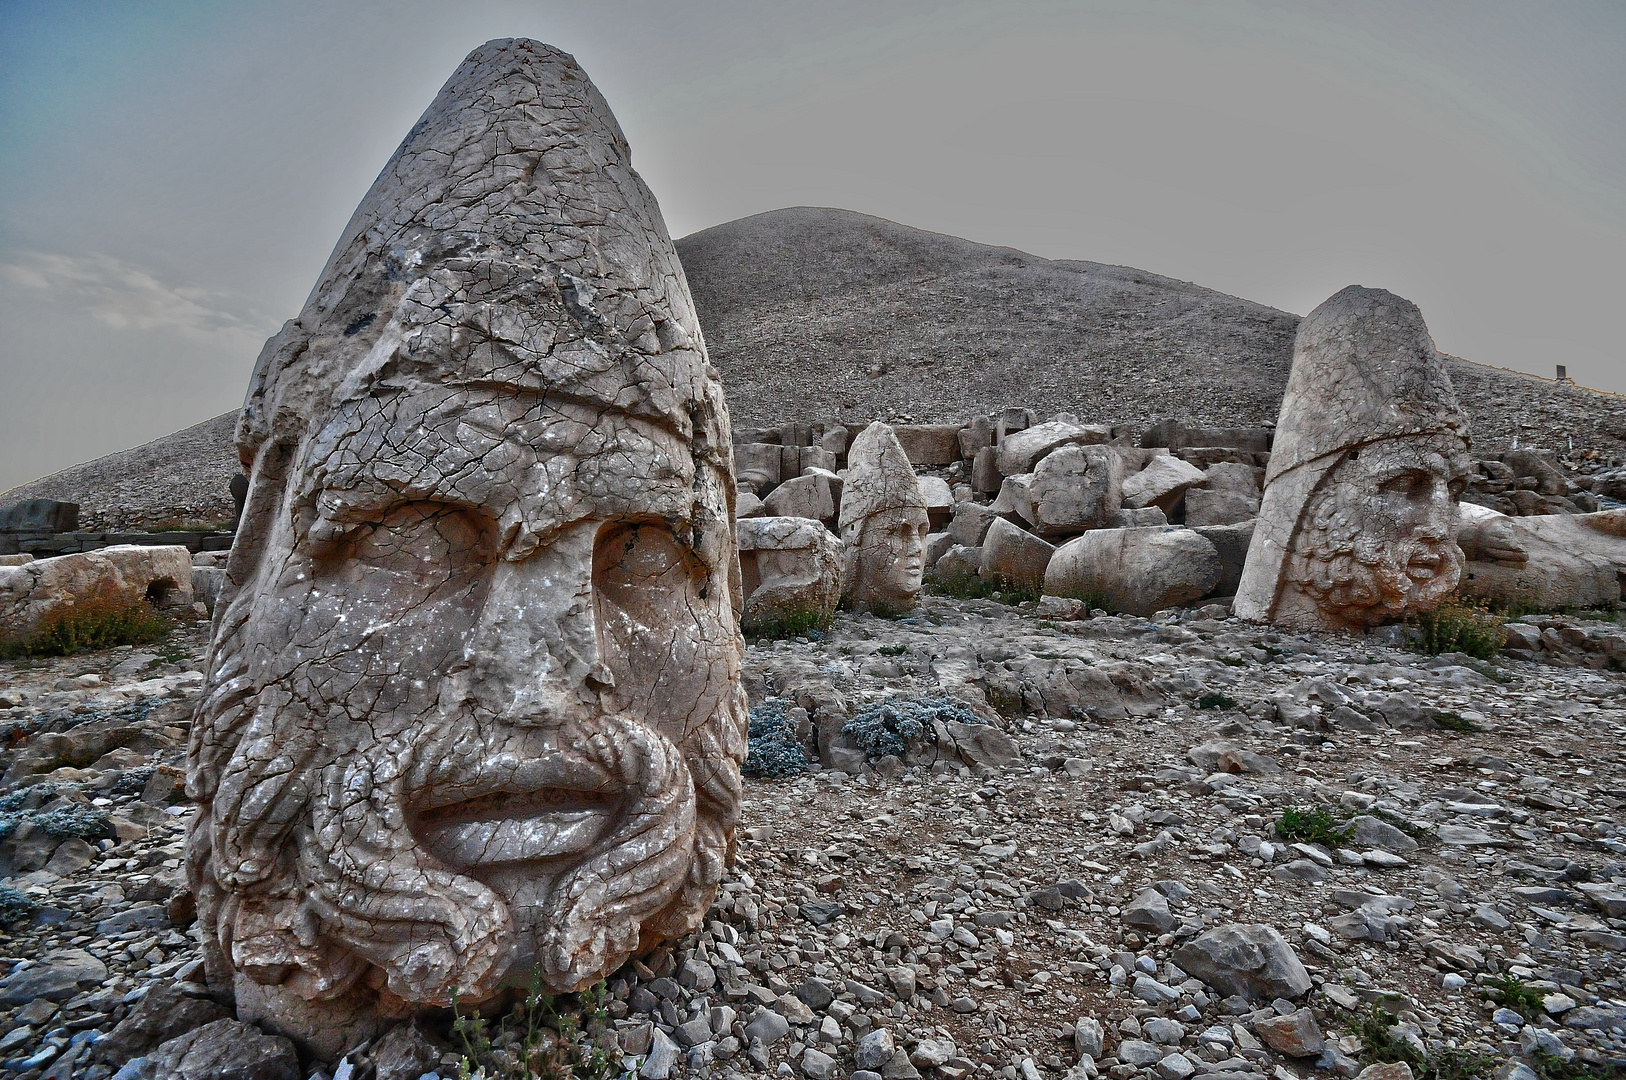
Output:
x=432 y=931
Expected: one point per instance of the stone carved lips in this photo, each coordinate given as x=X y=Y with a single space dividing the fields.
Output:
x=526 y=812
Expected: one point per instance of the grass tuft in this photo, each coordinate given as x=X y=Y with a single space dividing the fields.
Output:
x=100 y=621
x=1215 y=701
x=797 y=624
x=1450 y=721
x=1315 y=826
x=537 y=1040
x=1459 y=625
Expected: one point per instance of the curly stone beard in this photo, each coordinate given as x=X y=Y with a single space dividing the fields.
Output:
x=345 y=887
x=1358 y=571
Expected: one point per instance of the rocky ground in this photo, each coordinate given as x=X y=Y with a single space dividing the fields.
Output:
x=1060 y=911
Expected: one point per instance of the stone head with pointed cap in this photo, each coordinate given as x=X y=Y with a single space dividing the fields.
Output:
x=883 y=524
x=473 y=711
x=1358 y=520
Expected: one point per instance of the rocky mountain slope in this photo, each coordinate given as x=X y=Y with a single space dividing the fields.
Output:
x=814 y=313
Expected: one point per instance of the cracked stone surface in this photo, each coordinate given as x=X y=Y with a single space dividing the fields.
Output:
x=883 y=524
x=473 y=704
x=1359 y=518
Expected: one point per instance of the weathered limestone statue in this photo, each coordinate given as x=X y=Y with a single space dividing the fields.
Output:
x=473 y=705
x=1358 y=520
x=883 y=524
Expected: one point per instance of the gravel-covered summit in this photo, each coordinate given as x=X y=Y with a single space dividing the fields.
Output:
x=812 y=313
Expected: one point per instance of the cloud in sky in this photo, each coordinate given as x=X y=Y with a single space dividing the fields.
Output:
x=125 y=297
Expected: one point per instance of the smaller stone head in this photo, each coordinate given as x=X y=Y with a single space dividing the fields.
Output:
x=1359 y=517
x=883 y=524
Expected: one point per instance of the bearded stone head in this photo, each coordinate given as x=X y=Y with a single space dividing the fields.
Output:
x=473 y=711
x=1358 y=521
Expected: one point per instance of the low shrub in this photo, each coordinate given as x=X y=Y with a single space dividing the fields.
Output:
x=15 y=906
x=887 y=728
x=1380 y=1046
x=1459 y=625
x=1215 y=701
x=773 y=752
x=101 y=621
x=974 y=587
x=1450 y=721
x=538 y=1039
x=63 y=823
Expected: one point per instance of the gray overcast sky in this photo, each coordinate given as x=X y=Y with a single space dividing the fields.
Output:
x=174 y=174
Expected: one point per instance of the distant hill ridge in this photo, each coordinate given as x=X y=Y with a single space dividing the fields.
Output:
x=813 y=313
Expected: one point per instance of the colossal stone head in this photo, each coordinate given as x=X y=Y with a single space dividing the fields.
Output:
x=1358 y=521
x=473 y=705
x=883 y=524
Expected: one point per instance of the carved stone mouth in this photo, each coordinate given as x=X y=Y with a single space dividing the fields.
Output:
x=1424 y=565
x=511 y=827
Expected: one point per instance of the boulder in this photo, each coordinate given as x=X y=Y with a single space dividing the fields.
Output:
x=163 y=1013
x=1296 y=1034
x=937 y=545
x=1176 y=435
x=226 y=1050
x=1013 y=557
x=1136 y=571
x=1073 y=489
x=1161 y=484
x=757 y=464
x=816 y=496
x=121 y=574
x=970 y=523
x=1020 y=451
x=976 y=435
x=790 y=572
x=957 y=564
x=1231 y=541
x=207 y=581
x=1251 y=961
x=58 y=976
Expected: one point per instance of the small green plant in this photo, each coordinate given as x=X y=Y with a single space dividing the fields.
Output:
x=895 y=649
x=1312 y=827
x=1450 y=721
x=794 y=625
x=99 y=621
x=536 y=1040
x=889 y=727
x=1233 y=661
x=1549 y=1067
x=1215 y=701
x=1380 y=1046
x=1513 y=994
x=968 y=586
x=1459 y=625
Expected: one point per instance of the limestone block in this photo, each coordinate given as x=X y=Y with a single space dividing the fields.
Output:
x=883 y=524
x=1547 y=562
x=929 y=444
x=747 y=505
x=939 y=499
x=16 y=560
x=1161 y=483
x=1136 y=571
x=1075 y=488
x=1231 y=541
x=976 y=435
x=1358 y=521
x=1013 y=557
x=816 y=495
x=207 y=581
x=970 y=524
x=834 y=441
x=937 y=545
x=758 y=464
x=1138 y=519
x=1015 y=501
x=1233 y=476
x=985 y=478
x=474 y=707
x=790 y=572
x=1021 y=451
x=1176 y=435
x=1205 y=506
x=121 y=574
